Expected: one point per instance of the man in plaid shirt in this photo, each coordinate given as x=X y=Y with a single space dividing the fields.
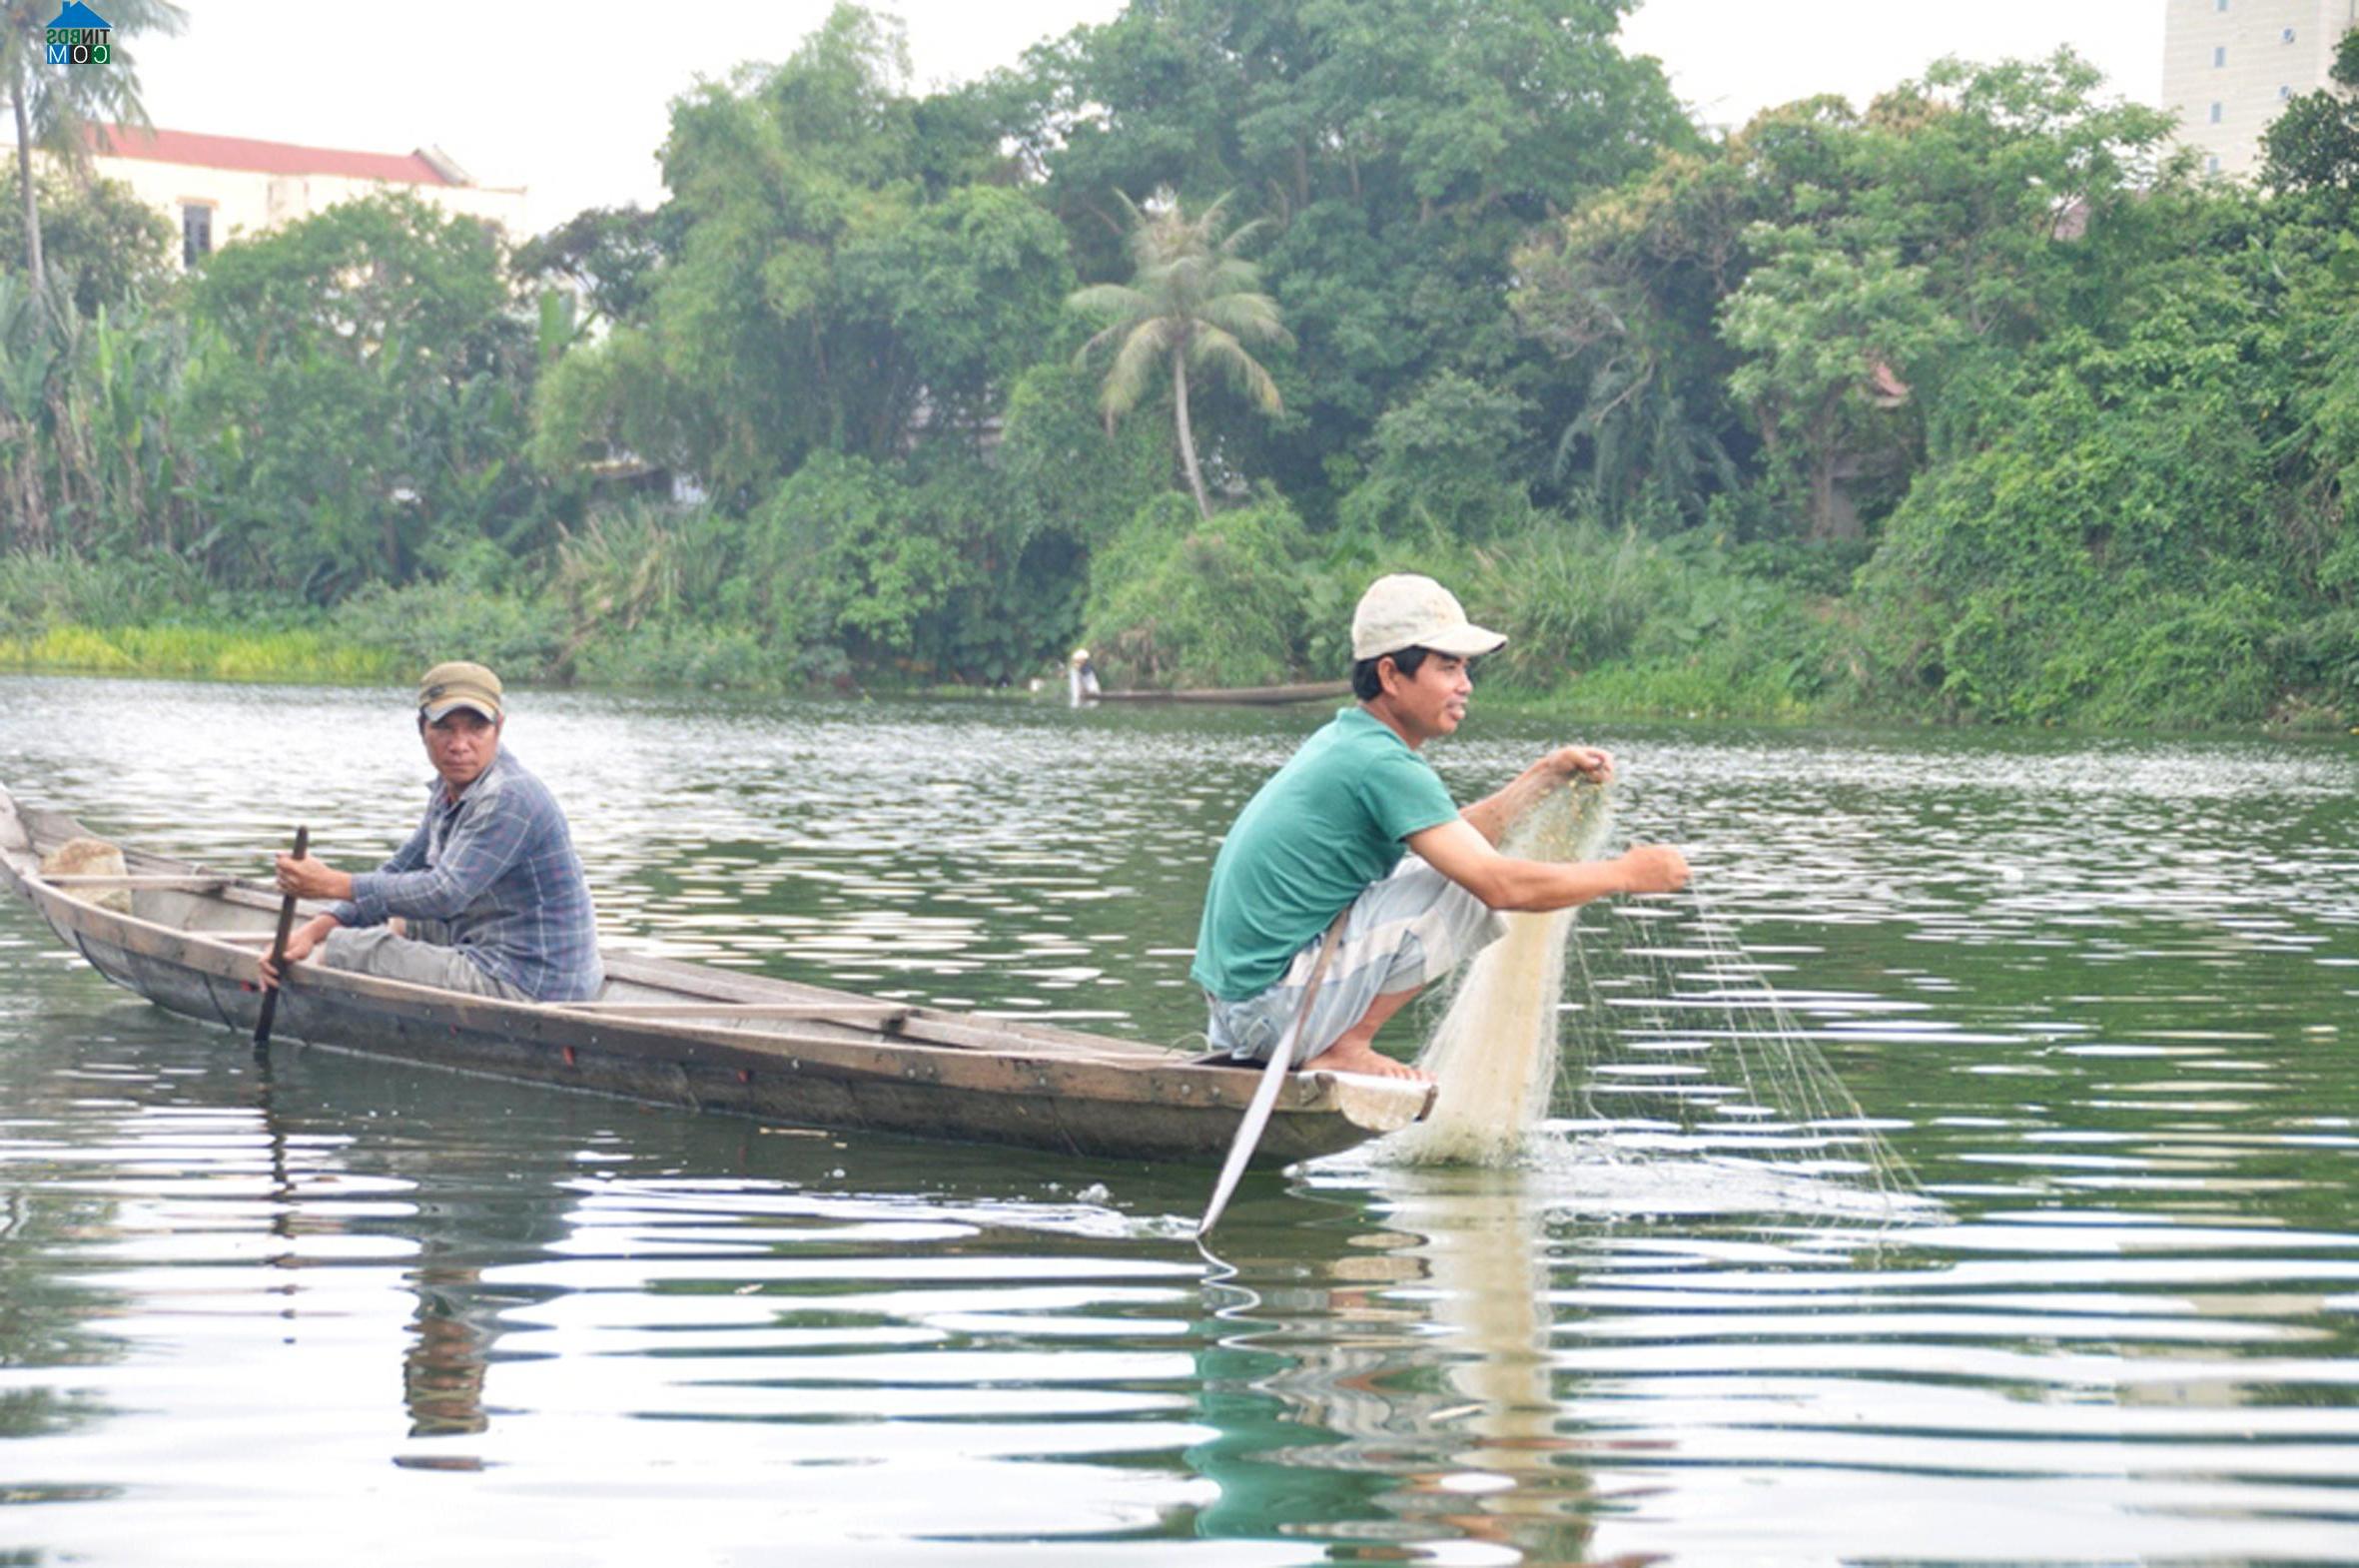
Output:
x=490 y=889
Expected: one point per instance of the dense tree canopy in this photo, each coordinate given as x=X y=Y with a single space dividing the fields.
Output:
x=847 y=278
x=1969 y=400
x=385 y=410
x=108 y=247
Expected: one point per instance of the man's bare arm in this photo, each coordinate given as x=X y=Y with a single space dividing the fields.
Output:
x=1460 y=853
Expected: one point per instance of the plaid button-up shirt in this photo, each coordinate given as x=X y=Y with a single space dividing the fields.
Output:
x=498 y=867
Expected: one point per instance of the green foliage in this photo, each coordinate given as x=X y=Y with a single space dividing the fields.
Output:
x=426 y=623
x=1179 y=601
x=1969 y=403
x=1441 y=466
x=202 y=652
x=2174 y=661
x=39 y=590
x=1829 y=338
x=2318 y=659
x=1833 y=276
x=1665 y=626
x=1402 y=148
x=618 y=570
x=607 y=256
x=843 y=281
x=155 y=615
x=1710 y=684
x=90 y=460
x=2049 y=577
x=970 y=285
x=930 y=577
x=1570 y=596
x=364 y=383
x=2328 y=409
x=1193 y=302
x=1624 y=295
x=2313 y=144
x=107 y=246
x=685 y=653
x=1065 y=473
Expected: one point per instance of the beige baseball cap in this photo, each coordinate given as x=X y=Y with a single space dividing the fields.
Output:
x=1406 y=610
x=459 y=686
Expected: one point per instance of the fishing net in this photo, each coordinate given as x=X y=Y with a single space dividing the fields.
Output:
x=1494 y=1053
x=1681 y=1048
x=1638 y=1030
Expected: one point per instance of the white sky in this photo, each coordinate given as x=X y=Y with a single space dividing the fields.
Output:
x=569 y=100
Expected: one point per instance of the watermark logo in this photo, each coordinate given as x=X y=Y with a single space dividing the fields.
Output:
x=78 y=37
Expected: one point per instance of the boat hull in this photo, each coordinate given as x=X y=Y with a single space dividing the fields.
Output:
x=842 y=1062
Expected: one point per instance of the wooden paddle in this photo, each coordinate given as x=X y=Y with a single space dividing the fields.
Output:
x=1282 y=1057
x=270 y=998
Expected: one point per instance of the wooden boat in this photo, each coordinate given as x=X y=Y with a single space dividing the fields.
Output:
x=685 y=1035
x=1262 y=696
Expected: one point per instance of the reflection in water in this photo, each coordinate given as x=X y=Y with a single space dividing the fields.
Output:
x=1511 y=1478
x=2095 y=993
x=442 y=1375
x=1424 y=1357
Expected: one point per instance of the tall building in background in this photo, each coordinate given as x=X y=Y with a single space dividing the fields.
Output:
x=2228 y=67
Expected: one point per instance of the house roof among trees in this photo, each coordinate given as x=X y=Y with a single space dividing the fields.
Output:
x=236 y=152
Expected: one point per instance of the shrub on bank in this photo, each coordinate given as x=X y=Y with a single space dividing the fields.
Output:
x=426 y=622
x=2117 y=547
x=685 y=655
x=1636 y=625
x=39 y=589
x=1713 y=684
x=1179 y=601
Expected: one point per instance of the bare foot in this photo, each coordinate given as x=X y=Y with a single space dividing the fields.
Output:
x=1348 y=1055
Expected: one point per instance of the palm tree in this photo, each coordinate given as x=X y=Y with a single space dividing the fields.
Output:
x=1192 y=299
x=57 y=106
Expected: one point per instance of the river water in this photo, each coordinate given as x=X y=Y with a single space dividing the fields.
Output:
x=2097 y=994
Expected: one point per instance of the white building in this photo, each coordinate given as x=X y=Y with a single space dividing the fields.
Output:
x=2228 y=67
x=216 y=189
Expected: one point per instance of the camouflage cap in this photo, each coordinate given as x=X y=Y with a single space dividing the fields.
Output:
x=459 y=686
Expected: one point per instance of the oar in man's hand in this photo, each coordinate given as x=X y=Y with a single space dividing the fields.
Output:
x=270 y=996
x=1282 y=1057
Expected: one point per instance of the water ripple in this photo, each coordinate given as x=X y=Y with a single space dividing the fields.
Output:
x=2092 y=992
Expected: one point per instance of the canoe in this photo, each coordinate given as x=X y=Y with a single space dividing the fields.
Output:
x=1265 y=696
x=686 y=1035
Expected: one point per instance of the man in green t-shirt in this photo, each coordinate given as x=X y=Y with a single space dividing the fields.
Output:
x=1357 y=821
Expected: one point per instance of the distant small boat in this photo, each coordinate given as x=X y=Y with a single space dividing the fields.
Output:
x=685 y=1035
x=1263 y=696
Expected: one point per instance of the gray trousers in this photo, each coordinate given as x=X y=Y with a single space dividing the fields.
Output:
x=423 y=957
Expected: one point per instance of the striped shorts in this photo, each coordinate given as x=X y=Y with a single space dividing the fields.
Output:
x=1404 y=932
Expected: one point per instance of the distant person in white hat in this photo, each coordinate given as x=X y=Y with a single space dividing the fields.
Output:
x=488 y=897
x=1358 y=825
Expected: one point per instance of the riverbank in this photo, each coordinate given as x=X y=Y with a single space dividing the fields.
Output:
x=201 y=653
x=1702 y=688
x=329 y=657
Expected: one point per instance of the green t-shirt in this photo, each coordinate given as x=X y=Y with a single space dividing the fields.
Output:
x=1333 y=820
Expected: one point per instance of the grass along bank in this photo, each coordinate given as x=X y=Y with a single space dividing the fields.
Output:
x=202 y=652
